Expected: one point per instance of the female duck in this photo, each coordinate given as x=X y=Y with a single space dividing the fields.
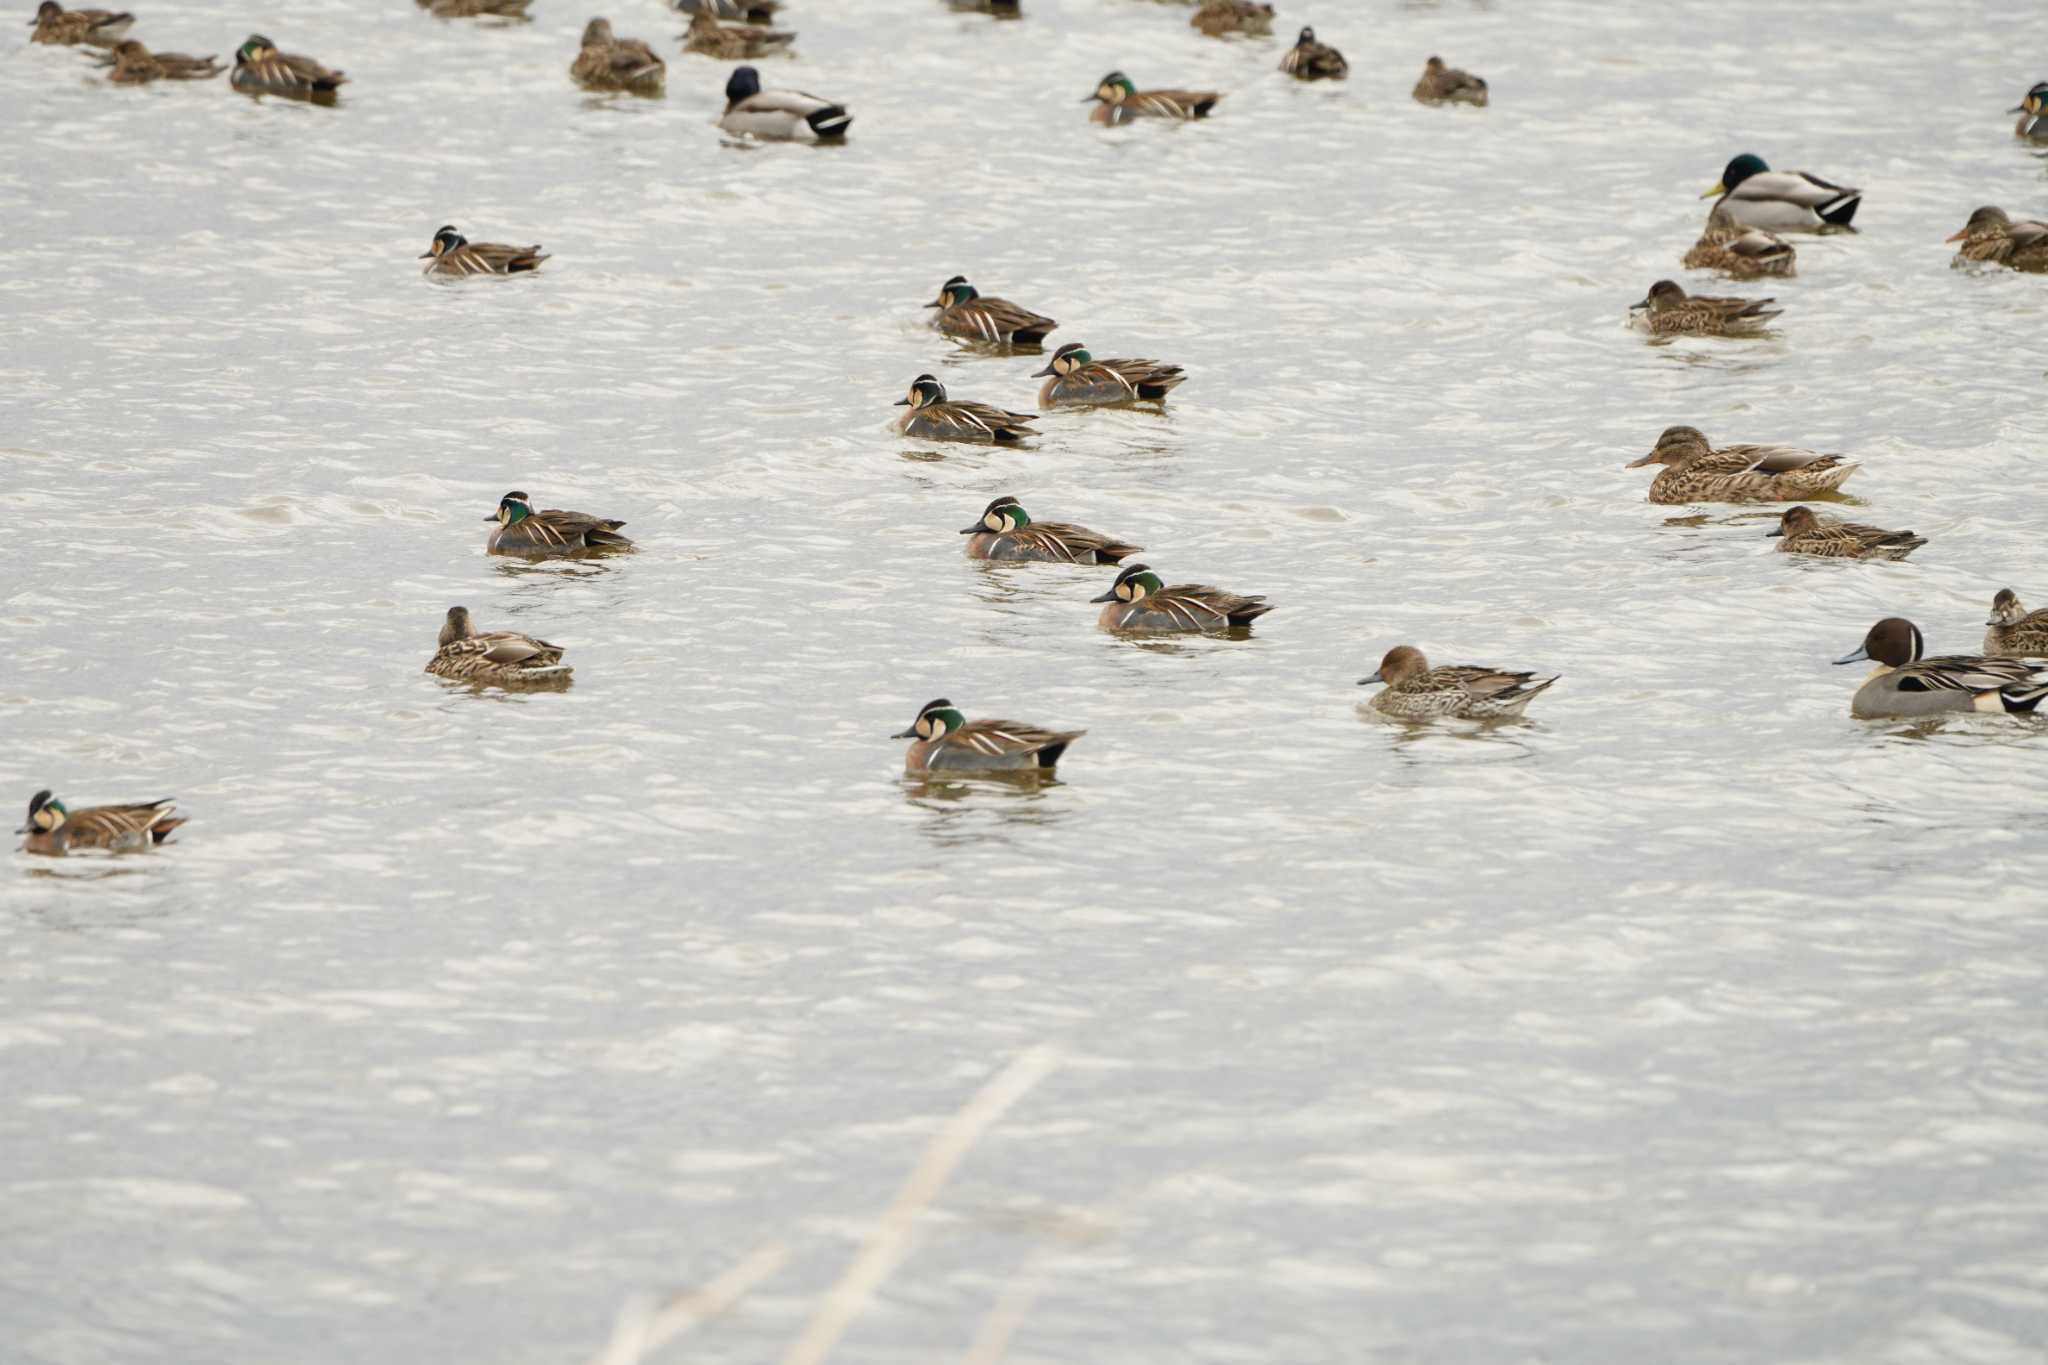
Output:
x=1218 y=17
x=713 y=39
x=55 y=831
x=260 y=69
x=1802 y=531
x=1754 y=195
x=1118 y=100
x=780 y=115
x=523 y=531
x=1742 y=253
x=1991 y=236
x=1695 y=472
x=1140 y=602
x=1075 y=376
x=608 y=63
x=1309 y=60
x=502 y=657
x=937 y=418
x=745 y=11
x=1007 y=532
x=135 y=64
x=1442 y=84
x=963 y=312
x=67 y=28
x=948 y=742
x=1417 y=691
x=451 y=253
x=1906 y=685
x=1667 y=310
x=2014 y=631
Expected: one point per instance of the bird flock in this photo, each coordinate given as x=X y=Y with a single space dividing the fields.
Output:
x=1744 y=237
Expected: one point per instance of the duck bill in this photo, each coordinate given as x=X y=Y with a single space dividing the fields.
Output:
x=900 y=403
x=1364 y=682
x=1719 y=189
x=2016 y=109
x=1855 y=656
x=1957 y=235
x=1638 y=307
x=970 y=530
x=1109 y=596
x=936 y=303
x=1775 y=535
x=424 y=256
x=1650 y=458
x=911 y=733
x=1045 y=373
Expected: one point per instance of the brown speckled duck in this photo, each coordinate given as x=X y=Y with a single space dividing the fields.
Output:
x=69 y=27
x=1442 y=84
x=1992 y=236
x=1415 y=691
x=1742 y=253
x=2014 y=631
x=503 y=658
x=1696 y=472
x=1667 y=310
x=1803 y=531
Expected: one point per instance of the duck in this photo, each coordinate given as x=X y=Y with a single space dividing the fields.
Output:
x=2014 y=631
x=744 y=11
x=451 y=253
x=1992 y=236
x=1118 y=100
x=779 y=115
x=1803 y=531
x=1139 y=601
x=54 y=830
x=1073 y=375
x=964 y=312
x=2033 y=112
x=1743 y=253
x=1006 y=532
x=713 y=39
x=607 y=63
x=1309 y=60
x=1218 y=17
x=1442 y=84
x=1906 y=685
x=260 y=69
x=948 y=742
x=935 y=417
x=1416 y=691
x=1754 y=195
x=479 y=9
x=134 y=64
x=522 y=531
x=62 y=27
x=1668 y=310
x=501 y=657
x=1695 y=472
x=1000 y=9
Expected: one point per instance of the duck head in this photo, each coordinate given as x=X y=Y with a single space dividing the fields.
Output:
x=2006 y=609
x=1002 y=514
x=1735 y=172
x=1114 y=88
x=744 y=83
x=955 y=290
x=1983 y=222
x=935 y=720
x=1796 y=521
x=445 y=241
x=1134 y=584
x=1398 y=665
x=1894 y=641
x=1065 y=361
x=254 y=48
x=456 y=627
x=45 y=812
x=1307 y=38
x=924 y=391
x=597 y=33
x=1676 y=445
x=514 y=506
x=1663 y=294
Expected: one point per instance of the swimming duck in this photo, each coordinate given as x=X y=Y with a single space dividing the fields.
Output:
x=2015 y=632
x=1417 y=691
x=1743 y=253
x=1754 y=195
x=1906 y=685
x=1667 y=310
x=779 y=115
x=523 y=531
x=260 y=69
x=2033 y=112
x=135 y=64
x=1218 y=17
x=609 y=63
x=451 y=253
x=1139 y=601
x=1077 y=377
x=1001 y=9
x=54 y=830
x=730 y=44
x=937 y=418
x=1991 y=236
x=963 y=312
x=1802 y=531
x=479 y=9
x=1309 y=60
x=745 y=11
x=503 y=657
x=948 y=742
x=67 y=28
x=1442 y=84
x=1118 y=100
x=1696 y=472
x=1007 y=532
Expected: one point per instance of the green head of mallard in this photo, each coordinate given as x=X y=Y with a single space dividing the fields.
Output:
x=1894 y=640
x=935 y=720
x=924 y=391
x=514 y=506
x=1065 y=361
x=1134 y=584
x=1002 y=514
x=445 y=241
x=2006 y=609
x=1735 y=172
x=955 y=290
x=254 y=48
x=45 y=812
x=1114 y=88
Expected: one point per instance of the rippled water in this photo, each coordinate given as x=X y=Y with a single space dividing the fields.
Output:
x=1688 y=1021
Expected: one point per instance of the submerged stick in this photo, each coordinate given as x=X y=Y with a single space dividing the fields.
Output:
x=641 y=1327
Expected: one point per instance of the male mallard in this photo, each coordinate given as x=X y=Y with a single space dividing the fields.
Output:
x=948 y=742
x=1118 y=100
x=1442 y=84
x=1696 y=472
x=135 y=64
x=479 y=9
x=1138 y=600
x=1218 y=17
x=730 y=44
x=1743 y=253
x=745 y=11
x=1077 y=377
x=779 y=115
x=523 y=531
x=260 y=69
x=1754 y=195
x=608 y=63
x=54 y=830
x=503 y=657
x=451 y=253
x=1417 y=691
x=1991 y=236
x=1309 y=60
x=1803 y=531
x=1667 y=310
x=937 y=418
x=2033 y=112
x=1906 y=685
x=963 y=312
x=1007 y=532
x=67 y=28
x=2015 y=632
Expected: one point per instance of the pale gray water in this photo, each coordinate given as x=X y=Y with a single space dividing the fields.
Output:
x=1690 y=1021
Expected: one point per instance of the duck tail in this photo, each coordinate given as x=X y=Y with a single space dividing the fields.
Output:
x=829 y=123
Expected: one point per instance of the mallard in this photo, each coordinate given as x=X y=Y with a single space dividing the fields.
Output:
x=1218 y=17
x=730 y=44
x=1744 y=253
x=609 y=63
x=1442 y=84
x=947 y=742
x=937 y=418
x=1803 y=531
x=1075 y=376
x=1007 y=532
x=2033 y=112
x=2014 y=631
x=1667 y=310
x=1118 y=100
x=1417 y=691
x=1139 y=601
x=1906 y=685
x=134 y=64
x=54 y=830
x=963 y=312
x=779 y=115
x=451 y=253
x=69 y=27
x=1991 y=236
x=502 y=657
x=1309 y=60
x=479 y=9
x=1001 y=9
x=1695 y=472
x=522 y=531
x=1754 y=195
x=260 y=69
x=745 y=11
